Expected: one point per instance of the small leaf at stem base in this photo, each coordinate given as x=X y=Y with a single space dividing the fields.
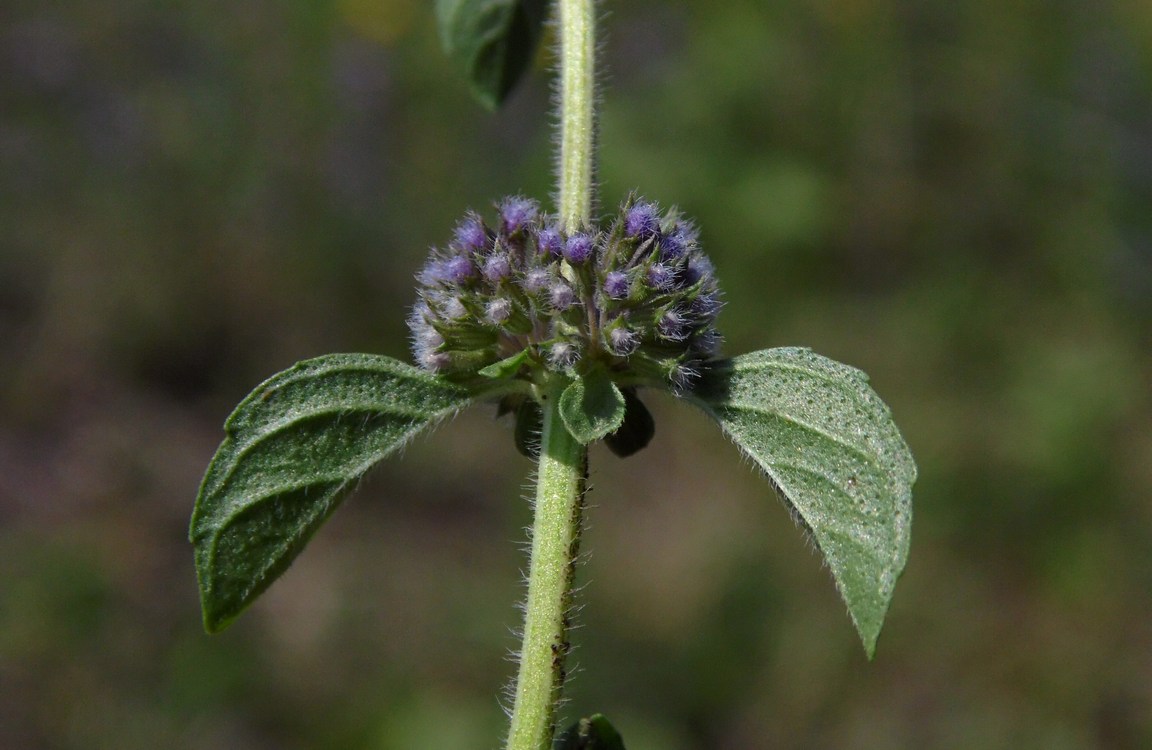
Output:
x=592 y=406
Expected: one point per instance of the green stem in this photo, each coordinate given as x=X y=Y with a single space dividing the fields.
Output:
x=563 y=465
x=555 y=545
x=577 y=22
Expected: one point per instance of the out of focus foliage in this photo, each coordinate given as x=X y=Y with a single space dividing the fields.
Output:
x=954 y=196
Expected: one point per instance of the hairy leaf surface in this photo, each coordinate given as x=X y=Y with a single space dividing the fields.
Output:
x=830 y=446
x=592 y=406
x=492 y=41
x=293 y=449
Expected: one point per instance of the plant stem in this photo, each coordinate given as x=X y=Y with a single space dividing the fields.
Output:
x=563 y=467
x=555 y=544
x=577 y=22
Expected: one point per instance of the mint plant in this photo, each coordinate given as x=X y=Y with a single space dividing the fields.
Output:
x=562 y=321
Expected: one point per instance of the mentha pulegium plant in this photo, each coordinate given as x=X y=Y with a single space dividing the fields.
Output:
x=561 y=320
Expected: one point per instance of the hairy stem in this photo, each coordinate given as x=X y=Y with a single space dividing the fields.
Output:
x=563 y=465
x=577 y=25
x=555 y=545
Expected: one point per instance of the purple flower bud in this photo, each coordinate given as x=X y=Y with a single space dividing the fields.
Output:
x=707 y=306
x=661 y=277
x=458 y=269
x=578 y=248
x=708 y=343
x=549 y=241
x=496 y=267
x=561 y=296
x=677 y=243
x=563 y=355
x=616 y=285
x=623 y=341
x=536 y=280
x=699 y=267
x=516 y=213
x=641 y=220
x=673 y=326
x=498 y=310
x=433 y=273
x=471 y=235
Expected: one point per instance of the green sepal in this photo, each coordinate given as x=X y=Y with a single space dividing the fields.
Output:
x=293 y=449
x=831 y=448
x=506 y=367
x=492 y=41
x=636 y=431
x=592 y=406
x=592 y=733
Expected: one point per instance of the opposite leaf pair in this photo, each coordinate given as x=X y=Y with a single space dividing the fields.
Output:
x=300 y=442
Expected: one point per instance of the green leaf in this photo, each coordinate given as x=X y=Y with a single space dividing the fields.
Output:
x=593 y=733
x=293 y=449
x=506 y=367
x=830 y=446
x=492 y=41
x=592 y=406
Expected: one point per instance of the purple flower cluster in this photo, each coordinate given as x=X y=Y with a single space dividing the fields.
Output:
x=638 y=296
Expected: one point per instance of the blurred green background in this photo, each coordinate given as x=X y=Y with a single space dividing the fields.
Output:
x=954 y=195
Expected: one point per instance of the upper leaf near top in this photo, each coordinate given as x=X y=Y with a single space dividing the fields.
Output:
x=830 y=446
x=492 y=41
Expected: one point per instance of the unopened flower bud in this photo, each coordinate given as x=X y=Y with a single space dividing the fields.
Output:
x=561 y=296
x=498 y=310
x=616 y=285
x=623 y=341
x=699 y=267
x=496 y=267
x=458 y=269
x=471 y=235
x=516 y=213
x=536 y=280
x=578 y=249
x=678 y=242
x=661 y=277
x=673 y=326
x=563 y=355
x=641 y=220
x=549 y=242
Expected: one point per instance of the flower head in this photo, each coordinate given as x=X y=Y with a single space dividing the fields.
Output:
x=635 y=296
